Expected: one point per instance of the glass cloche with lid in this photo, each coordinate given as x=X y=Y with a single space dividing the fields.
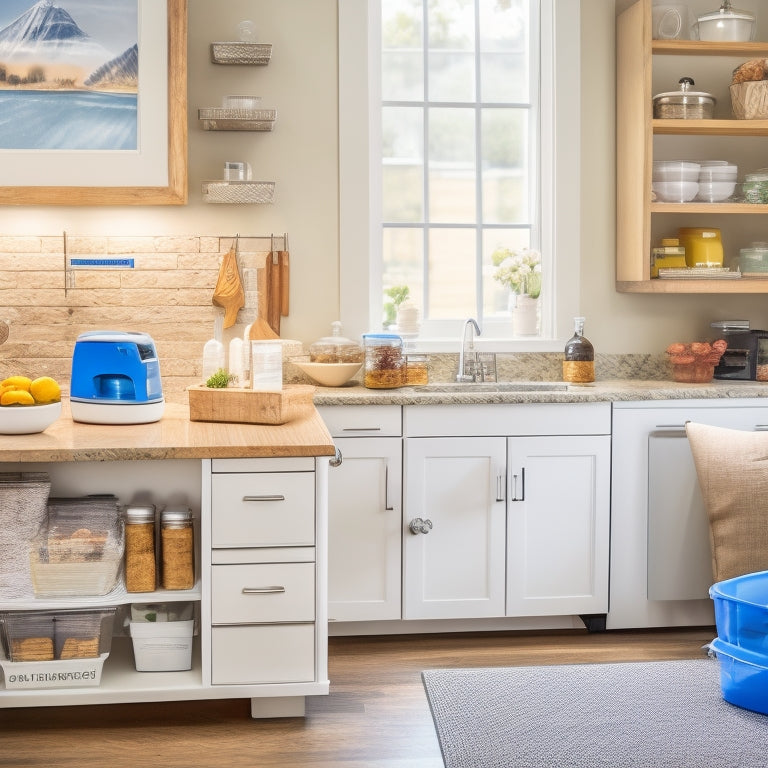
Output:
x=335 y=348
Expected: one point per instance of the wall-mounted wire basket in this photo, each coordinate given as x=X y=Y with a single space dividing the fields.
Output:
x=239 y=191
x=241 y=53
x=221 y=119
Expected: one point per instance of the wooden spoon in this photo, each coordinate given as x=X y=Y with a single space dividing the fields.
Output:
x=261 y=329
x=229 y=292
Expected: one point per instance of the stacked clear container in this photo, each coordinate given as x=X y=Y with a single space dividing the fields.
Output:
x=385 y=364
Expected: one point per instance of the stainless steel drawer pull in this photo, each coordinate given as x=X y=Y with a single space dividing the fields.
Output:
x=263 y=590
x=265 y=497
x=361 y=429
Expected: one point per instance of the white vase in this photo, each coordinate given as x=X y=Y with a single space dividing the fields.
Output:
x=525 y=316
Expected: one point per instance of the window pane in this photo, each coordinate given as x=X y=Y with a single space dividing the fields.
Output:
x=496 y=297
x=402 y=76
x=402 y=50
x=403 y=164
x=504 y=44
x=452 y=173
x=403 y=255
x=452 y=274
x=451 y=76
x=505 y=165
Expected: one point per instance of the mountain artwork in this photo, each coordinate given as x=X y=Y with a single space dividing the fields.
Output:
x=69 y=75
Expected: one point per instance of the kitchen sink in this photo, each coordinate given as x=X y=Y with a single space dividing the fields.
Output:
x=494 y=386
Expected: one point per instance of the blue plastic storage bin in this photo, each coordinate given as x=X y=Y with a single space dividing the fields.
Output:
x=741 y=612
x=743 y=676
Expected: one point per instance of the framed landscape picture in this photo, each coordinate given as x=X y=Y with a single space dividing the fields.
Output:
x=93 y=102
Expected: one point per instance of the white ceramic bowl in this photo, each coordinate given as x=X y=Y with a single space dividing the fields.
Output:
x=715 y=191
x=675 y=170
x=675 y=191
x=330 y=374
x=27 y=419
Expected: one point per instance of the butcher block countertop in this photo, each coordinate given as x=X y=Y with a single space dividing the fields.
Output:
x=173 y=437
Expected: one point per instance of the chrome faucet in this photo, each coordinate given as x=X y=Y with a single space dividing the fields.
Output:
x=468 y=364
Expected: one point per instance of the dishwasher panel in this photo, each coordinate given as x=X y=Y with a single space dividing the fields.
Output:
x=679 y=554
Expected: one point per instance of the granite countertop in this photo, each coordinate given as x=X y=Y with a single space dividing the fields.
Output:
x=618 y=390
x=173 y=437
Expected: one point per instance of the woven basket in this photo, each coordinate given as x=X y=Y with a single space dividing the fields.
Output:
x=749 y=101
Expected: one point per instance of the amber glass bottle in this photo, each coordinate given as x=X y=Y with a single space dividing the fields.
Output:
x=579 y=360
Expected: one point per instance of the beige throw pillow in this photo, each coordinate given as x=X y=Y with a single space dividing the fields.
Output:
x=732 y=467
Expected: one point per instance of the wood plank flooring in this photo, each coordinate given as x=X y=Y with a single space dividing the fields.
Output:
x=376 y=716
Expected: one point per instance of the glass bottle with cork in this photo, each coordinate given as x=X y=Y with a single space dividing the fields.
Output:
x=579 y=356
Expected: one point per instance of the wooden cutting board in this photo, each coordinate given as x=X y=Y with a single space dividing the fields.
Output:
x=229 y=292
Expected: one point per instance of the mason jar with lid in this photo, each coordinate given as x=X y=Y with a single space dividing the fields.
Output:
x=140 y=558
x=178 y=551
x=384 y=361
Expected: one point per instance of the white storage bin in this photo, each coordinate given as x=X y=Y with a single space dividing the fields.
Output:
x=163 y=646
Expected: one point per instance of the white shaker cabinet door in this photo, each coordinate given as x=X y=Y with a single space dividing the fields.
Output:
x=364 y=508
x=454 y=527
x=558 y=525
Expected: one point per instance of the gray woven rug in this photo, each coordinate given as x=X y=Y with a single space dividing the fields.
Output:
x=660 y=714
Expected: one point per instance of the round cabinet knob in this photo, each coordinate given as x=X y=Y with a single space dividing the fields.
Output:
x=417 y=525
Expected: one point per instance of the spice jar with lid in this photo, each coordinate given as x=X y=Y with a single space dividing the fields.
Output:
x=384 y=361
x=177 y=544
x=140 y=560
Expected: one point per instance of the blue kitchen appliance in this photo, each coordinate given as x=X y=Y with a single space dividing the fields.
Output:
x=115 y=379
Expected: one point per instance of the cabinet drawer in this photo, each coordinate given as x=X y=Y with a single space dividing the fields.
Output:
x=278 y=653
x=263 y=510
x=362 y=420
x=263 y=593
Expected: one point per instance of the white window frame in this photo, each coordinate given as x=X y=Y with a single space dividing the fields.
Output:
x=360 y=168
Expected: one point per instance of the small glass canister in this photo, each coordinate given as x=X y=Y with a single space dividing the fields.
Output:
x=140 y=560
x=416 y=369
x=178 y=551
x=384 y=361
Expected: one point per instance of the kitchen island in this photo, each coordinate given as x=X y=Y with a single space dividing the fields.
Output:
x=259 y=501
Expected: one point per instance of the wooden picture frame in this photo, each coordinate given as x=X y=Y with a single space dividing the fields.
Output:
x=172 y=190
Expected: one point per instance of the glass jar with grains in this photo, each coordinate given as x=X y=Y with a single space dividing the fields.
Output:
x=384 y=361
x=177 y=544
x=140 y=561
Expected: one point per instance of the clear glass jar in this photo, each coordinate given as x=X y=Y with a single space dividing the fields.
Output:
x=384 y=361
x=178 y=550
x=579 y=357
x=416 y=369
x=140 y=558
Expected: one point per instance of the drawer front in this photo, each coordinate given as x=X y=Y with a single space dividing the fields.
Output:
x=362 y=420
x=277 y=653
x=263 y=593
x=263 y=510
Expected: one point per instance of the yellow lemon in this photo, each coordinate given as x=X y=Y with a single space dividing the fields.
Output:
x=16 y=397
x=45 y=390
x=19 y=382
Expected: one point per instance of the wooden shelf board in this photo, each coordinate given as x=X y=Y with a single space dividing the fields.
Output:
x=675 y=127
x=709 y=285
x=710 y=208
x=700 y=47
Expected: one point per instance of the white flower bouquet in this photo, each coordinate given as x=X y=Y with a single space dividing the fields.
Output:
x=520 y=271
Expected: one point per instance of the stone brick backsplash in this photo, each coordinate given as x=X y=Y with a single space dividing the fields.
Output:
x=167 y=294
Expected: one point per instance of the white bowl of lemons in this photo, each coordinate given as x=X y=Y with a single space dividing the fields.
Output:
x=28 y=406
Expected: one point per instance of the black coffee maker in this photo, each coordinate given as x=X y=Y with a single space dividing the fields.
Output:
x=747 y=355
